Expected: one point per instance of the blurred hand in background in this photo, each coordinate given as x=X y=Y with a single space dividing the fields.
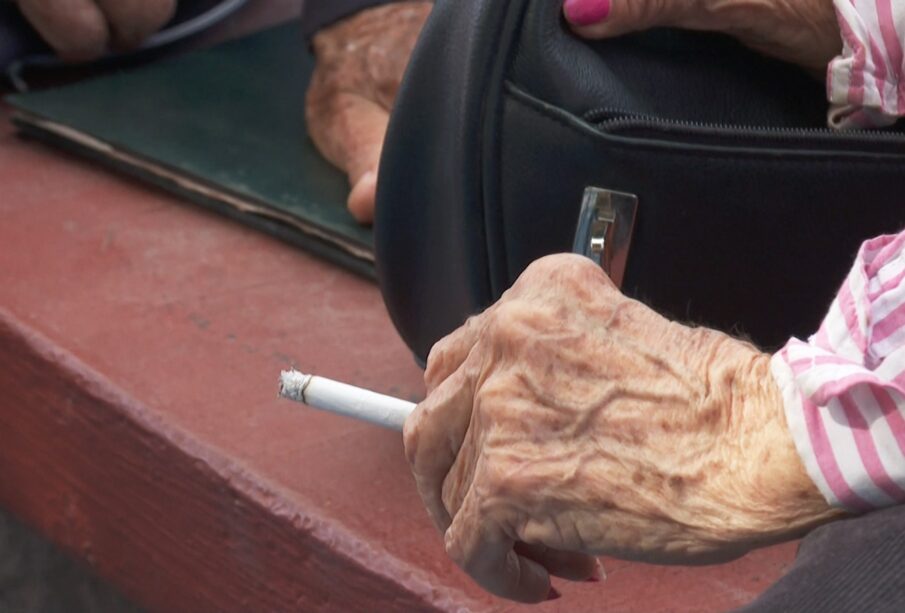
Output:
x=360 y=64
x=80 y=30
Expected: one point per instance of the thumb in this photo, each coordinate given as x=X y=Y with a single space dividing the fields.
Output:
x=608 y=18
x=363 y=197
x=349 y=131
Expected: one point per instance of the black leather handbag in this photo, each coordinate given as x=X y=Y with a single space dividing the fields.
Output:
x=698 y=173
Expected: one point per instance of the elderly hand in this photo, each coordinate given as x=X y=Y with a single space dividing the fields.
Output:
x=360 y=63
x=83 y=29
x=804 y=32
x=569 y=418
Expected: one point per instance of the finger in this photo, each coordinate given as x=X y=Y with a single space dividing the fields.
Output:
x=483 y=550
x=75 y=29
x=449 y=353
x=433 y=436
x=565 y=564
x=132 y=21
x=363 y=198
x=349 y=130
x=607 y=18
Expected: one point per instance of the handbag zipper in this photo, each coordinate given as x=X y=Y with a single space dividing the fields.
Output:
x=608 y=119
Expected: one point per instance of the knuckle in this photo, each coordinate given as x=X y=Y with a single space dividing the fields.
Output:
x=507 y=314
x=453 y=493
x=551 y=274
x=74 y=35
x=511 y=323
x=132 y=23
x=411 y=437
x=147 y=17
x=87 y=39
x=446 y=350
x=560 y=264
x=453 y=547
x=577 y=268
x=164 y=10
x=410 y=441
x=436 y=362
x=545 y=266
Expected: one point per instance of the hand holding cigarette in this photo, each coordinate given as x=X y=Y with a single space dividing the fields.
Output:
x=569 y=421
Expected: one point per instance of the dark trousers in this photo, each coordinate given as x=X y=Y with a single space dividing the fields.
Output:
x=851 y=565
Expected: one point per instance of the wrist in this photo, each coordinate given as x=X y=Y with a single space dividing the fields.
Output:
x=780 y=498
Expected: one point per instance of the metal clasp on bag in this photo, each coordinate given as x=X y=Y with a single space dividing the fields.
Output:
x=605 y=227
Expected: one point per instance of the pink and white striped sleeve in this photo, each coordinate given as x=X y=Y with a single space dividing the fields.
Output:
x=866 y=83
x=844 y=389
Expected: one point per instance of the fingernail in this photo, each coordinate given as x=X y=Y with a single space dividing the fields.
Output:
x=368 y=176
x=598 y=575
x=554 y=594
x=586 y=12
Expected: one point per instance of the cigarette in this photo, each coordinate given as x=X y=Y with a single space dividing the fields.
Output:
x=342 y=399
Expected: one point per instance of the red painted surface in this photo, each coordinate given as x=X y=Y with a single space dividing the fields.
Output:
x=140 y=343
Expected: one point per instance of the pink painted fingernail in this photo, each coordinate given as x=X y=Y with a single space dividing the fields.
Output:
x=554 y=594
x=586 y=12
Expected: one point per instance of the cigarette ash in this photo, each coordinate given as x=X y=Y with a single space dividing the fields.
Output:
x=293 y=385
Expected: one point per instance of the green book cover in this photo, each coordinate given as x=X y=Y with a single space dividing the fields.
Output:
x=223 y=127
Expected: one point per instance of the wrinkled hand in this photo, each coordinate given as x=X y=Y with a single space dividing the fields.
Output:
x=569 y=418
x=803 y=32
x=84 y=29
x=360 y=63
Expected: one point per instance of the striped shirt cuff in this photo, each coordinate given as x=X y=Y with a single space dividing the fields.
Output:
x=844 y=389
x=866 y=83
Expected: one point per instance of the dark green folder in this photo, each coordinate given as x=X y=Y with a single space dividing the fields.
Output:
x=223 y=127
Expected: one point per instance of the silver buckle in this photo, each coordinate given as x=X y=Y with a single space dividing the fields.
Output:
x=605 y=227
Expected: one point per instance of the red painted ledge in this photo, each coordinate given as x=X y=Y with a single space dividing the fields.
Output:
x=176 y=521
x=140 y=344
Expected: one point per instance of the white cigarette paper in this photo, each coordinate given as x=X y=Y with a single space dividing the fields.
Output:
x=342 y=399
